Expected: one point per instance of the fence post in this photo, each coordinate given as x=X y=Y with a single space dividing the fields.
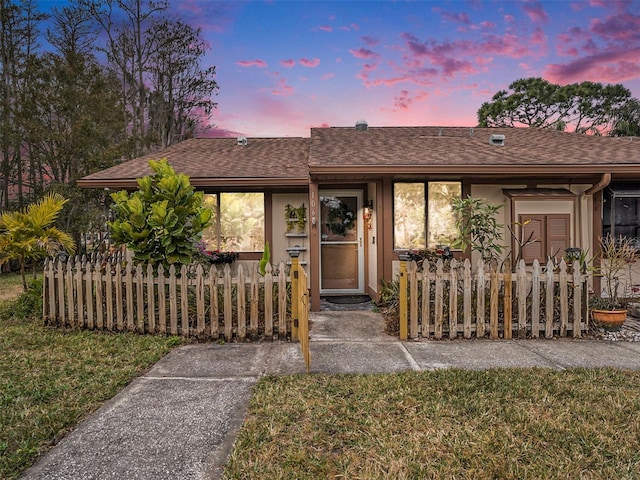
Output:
x=404 y=327
x=295 y=265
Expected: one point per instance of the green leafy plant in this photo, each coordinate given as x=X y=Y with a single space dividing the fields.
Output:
x=29 y=234
x=163 y=220
x=266 y=256
x=478 y=227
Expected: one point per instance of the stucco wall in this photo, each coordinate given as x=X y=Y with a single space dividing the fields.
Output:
x=281 y=241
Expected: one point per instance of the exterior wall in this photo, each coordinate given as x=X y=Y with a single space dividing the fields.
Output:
x=580 y=210
x=281 y=240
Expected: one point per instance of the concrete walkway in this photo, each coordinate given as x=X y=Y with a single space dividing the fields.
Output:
x=179 y=420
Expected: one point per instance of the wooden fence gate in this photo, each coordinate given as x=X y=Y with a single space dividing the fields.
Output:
x=300 y=309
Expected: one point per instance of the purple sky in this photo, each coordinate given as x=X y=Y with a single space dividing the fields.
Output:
x=286 y=66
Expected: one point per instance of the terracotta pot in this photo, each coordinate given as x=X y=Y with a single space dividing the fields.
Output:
x=609 y=318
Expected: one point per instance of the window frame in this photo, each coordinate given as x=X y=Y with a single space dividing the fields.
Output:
x=425 y=219
x=618 y=191
x=247 y=254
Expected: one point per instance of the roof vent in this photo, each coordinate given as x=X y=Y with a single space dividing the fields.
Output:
x=242 y=141
x=362 y=126
x=496 y=140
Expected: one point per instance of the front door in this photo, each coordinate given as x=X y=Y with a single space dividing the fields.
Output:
x=341 y=242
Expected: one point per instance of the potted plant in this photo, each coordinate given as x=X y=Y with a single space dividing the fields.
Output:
x=617 y=255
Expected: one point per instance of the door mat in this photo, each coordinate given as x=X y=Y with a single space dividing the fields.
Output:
x=347 y=299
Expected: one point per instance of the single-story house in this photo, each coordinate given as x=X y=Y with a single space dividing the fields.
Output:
x=351 y=198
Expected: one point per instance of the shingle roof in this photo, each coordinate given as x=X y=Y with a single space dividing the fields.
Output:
x=455 y=147
x=211 y=161
x=338 y=152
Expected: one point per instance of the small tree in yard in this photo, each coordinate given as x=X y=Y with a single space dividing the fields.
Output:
x=30 y=235
x=163 y=220
x=477 y=227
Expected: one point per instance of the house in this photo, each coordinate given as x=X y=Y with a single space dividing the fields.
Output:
x=350 y=198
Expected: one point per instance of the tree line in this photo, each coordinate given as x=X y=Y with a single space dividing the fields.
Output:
x=586 y=107
x=88 y=85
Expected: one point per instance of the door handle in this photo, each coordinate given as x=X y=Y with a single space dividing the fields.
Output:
x=360 y=241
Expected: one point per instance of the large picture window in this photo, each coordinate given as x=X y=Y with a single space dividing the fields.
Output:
x=423 y=214
x=238 y=222
x=621 y=211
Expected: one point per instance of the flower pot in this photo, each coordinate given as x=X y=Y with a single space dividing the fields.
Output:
x=609 y=318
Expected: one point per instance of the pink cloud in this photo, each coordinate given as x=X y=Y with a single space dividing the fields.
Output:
x=363 y=53
x=327 y=76
x=509 y=18
x=253 y=63
x=289 y=63
x=454 y=17
x=326 y=28
x=369 y=41
x=282 y=89
x=535 y=11
x=402 y=101
x=305 y=62
x=623 y=26
x=608 y=66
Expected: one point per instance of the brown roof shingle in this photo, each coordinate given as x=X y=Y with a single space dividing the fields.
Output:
x=219 y=161
x=467 y=150
x=344 y=153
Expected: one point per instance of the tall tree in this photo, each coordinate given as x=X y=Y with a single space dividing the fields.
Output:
x=585 y=107
x=78 y=128
x=627 y=123
x=181 y=99
x=166 y=94
x=18 y=43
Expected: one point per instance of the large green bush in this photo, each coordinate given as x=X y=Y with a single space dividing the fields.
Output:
x=163 y=220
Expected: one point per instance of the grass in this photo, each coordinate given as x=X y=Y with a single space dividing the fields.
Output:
x=447 y=424
x=11 y=285
x=52 y=378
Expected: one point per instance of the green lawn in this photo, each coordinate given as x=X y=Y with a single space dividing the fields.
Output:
x=448 y=424
x=11 y=285
x=52 y=378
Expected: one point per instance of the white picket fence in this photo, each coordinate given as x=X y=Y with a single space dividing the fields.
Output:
x=530 y=302
x=104 y=294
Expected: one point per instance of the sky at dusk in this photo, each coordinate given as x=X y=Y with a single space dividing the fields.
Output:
x=286 y=66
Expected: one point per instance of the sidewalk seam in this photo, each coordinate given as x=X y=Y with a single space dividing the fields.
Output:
x=412 y=361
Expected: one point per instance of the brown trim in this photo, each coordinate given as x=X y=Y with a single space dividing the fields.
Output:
x=249 y=255
x=484 y=169
x=268 y=218
x=386 y=224
x=596 y=222
x=538 y=194
x=466 y=193
x=379 y=209
x=314 y=247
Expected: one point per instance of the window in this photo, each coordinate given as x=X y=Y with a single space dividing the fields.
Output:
x=621 y=211
x=238 y=222
x=423 y=214
x=548 y=236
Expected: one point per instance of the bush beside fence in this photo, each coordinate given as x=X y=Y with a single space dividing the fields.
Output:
x=530 y=302
x=104 y=294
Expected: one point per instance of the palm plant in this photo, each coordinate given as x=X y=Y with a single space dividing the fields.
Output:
x=30 y=235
